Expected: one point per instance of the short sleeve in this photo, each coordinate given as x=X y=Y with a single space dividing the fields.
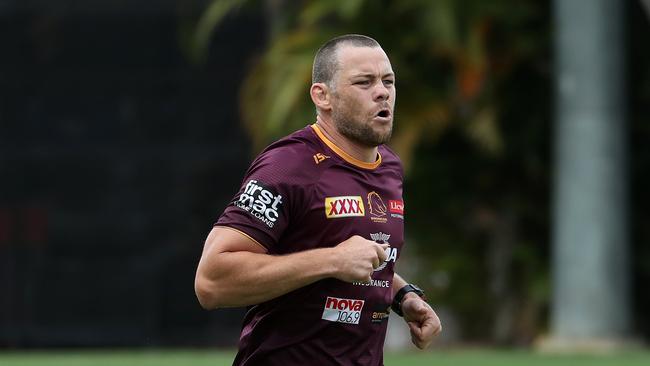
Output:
x=263 y=207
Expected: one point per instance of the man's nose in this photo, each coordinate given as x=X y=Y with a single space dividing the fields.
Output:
x=381 y=92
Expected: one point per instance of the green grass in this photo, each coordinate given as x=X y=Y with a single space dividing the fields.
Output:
x=219 y=358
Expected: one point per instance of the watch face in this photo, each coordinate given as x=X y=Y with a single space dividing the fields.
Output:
x=417 y=289
x=419 y=292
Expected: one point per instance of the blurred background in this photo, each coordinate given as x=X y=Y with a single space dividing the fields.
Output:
x=126 y=128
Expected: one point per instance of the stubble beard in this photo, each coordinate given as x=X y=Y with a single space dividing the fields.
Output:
x=359 y=131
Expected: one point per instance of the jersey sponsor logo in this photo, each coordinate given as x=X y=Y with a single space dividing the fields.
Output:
x=376 y=207
x=339 y=310
x=261 y=202
x=396 y=209
x=344 y=206
x=374 y=283
x=319 y=158
x=391 y=253
x=380 y=313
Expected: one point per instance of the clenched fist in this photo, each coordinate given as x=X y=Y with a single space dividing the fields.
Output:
x=356 y=259
x=423 y=322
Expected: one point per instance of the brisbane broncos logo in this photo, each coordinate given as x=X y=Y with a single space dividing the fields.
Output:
x=376 y=207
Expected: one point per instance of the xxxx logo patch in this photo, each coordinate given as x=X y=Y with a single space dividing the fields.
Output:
x=344 y=206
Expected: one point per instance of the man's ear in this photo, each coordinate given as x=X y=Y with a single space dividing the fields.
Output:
x=320 y=95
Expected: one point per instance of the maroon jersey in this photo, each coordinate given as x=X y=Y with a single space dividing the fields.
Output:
x=301 y=193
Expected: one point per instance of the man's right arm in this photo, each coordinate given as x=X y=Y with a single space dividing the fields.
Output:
x=234 y=270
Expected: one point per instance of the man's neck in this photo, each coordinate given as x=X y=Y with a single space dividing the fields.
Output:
x=356 y=150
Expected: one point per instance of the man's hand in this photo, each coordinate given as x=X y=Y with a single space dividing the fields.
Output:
x=356 y=259
x=421 y=319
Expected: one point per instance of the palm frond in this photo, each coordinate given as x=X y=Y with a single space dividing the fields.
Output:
x=207 y=24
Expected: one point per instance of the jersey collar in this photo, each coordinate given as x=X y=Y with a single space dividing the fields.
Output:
x=345 y=156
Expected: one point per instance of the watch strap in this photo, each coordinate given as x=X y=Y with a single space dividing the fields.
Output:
x=399 y=296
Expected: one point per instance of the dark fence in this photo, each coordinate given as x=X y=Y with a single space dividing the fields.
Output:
x=116 y=155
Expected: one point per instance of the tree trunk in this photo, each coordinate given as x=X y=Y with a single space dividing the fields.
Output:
x=591 y=297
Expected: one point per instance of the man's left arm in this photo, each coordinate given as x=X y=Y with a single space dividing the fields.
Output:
x=418 y=314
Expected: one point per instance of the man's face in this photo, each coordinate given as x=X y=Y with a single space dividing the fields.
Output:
x=363 y=98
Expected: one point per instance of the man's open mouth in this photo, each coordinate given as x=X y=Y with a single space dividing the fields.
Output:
x=384 y=113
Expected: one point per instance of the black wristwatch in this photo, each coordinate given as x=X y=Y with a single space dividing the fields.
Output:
x=397 y=300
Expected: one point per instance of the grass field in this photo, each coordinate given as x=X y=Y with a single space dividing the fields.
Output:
x=216 y=358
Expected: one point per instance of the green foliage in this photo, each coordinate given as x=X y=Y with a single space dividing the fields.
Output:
x=445 y=54
x=211 y=17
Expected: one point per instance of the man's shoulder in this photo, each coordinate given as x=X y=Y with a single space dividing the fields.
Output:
x=298 y=142
x=297 y=154
x=390 y=159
